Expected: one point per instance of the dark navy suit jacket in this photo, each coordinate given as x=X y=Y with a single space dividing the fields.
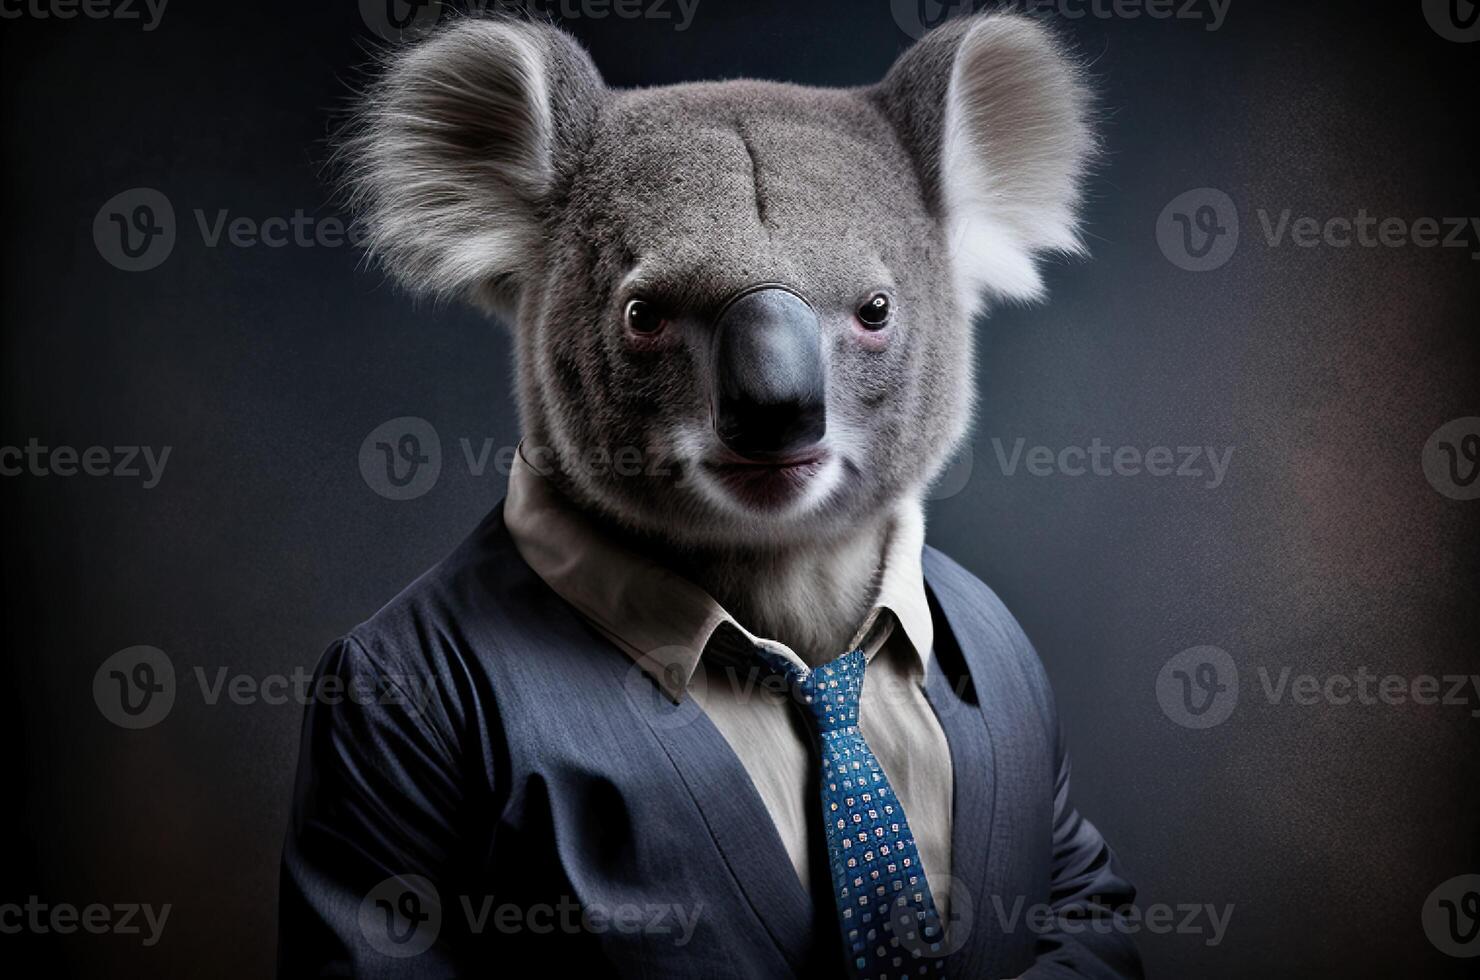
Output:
x=490 y=766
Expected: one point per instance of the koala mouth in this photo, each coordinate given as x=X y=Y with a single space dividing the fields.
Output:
x=768 y=484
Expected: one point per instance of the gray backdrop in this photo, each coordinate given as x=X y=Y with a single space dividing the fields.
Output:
x=1333 y=545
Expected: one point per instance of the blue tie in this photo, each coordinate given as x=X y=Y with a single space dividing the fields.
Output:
x=888 y=919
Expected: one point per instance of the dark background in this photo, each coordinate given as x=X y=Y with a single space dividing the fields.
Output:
x=1324 y=549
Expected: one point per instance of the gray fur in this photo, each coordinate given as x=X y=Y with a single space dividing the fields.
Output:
x=554 y=199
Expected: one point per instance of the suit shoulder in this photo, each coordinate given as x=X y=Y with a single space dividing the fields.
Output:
x=461 y=599
x=422 y=658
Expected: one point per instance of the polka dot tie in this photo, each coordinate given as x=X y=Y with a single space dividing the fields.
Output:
x=888 y=919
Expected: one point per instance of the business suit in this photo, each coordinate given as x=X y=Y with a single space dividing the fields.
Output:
x=525 y=762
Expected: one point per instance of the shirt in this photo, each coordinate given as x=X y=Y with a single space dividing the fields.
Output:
x=691 y=647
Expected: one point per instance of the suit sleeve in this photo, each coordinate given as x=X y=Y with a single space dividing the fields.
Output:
x=368 y=861
x=1090 y=936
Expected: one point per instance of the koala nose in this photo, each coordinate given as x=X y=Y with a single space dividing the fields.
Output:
x=769 y=380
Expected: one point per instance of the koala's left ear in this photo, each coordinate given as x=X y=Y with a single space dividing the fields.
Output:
x=457 y=147
x=996 y=117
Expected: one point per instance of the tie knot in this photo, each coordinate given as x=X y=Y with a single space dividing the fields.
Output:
x=829 y=693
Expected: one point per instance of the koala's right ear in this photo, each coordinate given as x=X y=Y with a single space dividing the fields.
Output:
x=455 y=147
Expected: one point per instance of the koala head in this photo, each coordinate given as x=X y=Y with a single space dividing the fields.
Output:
x=742 y=309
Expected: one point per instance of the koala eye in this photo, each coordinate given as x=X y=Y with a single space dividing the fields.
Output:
x=642 y=317
x=875 y=312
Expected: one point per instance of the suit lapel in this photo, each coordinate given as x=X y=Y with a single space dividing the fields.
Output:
x=739 y=824
x=728 y=802
x=955 y=691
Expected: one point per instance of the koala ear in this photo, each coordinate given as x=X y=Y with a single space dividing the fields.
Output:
x=455 y=147
x=996 y=116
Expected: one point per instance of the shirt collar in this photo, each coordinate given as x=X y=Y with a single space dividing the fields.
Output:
x=664 y=622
